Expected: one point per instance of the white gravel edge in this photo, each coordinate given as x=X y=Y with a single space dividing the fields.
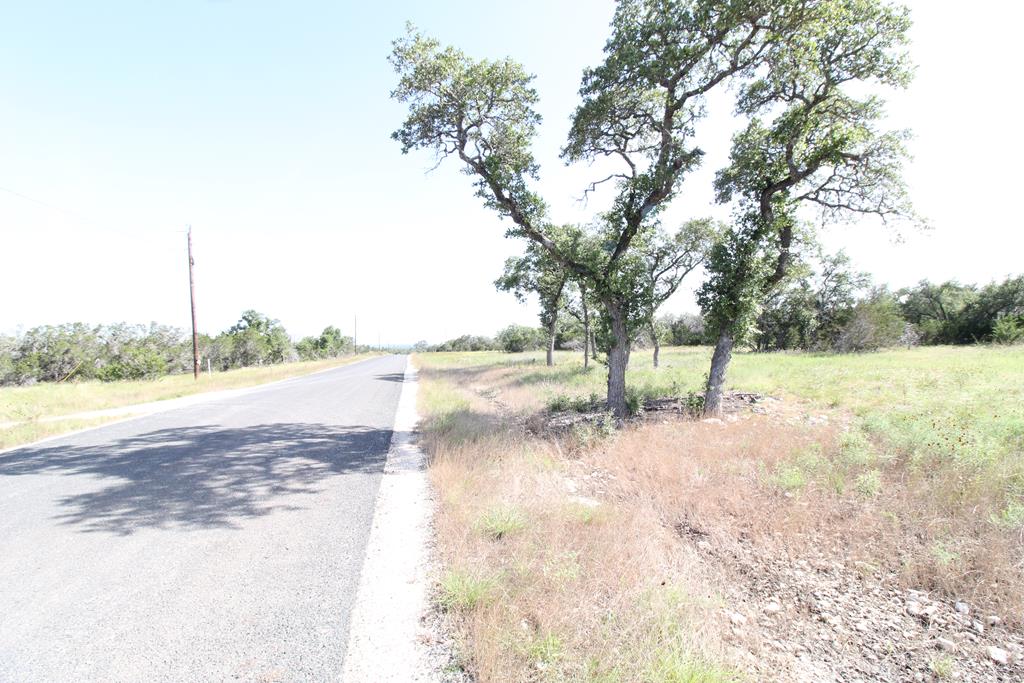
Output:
x=387 y=640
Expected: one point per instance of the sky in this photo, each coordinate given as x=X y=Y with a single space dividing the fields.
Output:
x=266 y=127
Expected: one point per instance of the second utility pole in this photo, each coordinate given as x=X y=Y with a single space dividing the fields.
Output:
x=192 y=296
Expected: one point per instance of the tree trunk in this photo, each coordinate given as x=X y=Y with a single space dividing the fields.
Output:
x=586 y=328
x=657 y=344
x=618 y=359
x=593 y=346
x=716 y=378
x=551 y=344
x=551 y=309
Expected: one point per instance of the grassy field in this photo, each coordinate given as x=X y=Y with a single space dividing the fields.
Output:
x=960 y=407
x=26 y=406
x=911 y=460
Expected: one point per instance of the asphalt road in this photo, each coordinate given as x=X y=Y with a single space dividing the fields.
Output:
x=221 y=541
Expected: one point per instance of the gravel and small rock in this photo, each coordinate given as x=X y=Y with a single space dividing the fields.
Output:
x=822 y=619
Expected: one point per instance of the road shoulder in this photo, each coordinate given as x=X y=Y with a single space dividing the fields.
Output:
x=387 y=639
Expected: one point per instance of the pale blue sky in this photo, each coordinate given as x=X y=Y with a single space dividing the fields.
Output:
x=266 y=126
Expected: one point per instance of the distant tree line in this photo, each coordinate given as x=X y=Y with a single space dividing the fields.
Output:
x=826 y=306
x=52 y=353
x=831 y=308
x=951 y=313
x=76 y=351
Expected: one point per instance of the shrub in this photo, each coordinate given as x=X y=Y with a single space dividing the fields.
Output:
x=634 y=401
x=686 y=329
x=518 y=338
x=330 y=344
x=1008 y=330
x=876 y=324
x=951 y=313
x=693 y=403
x=580 y=404
x=135 y=362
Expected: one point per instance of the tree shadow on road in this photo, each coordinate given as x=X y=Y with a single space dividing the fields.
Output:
x=201 y=477
x=392 y=377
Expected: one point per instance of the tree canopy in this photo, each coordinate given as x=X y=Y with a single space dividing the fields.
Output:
x=638 y=107
x=812 y=140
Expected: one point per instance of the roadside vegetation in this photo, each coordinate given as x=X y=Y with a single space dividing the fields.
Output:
x=112 y=353
x=32 y=412
x=60 y=370
x=679 y=549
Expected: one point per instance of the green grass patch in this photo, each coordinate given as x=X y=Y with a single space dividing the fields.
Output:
x=29 y=432
x=869 y=483
x=545 y=650
x=678 y=666
x=790 y=477
x=944 y=554
x=1010 y=517
x=586 y=514
x=942 y=667
x=856 y=449
x=462 y=591
x=501 y=521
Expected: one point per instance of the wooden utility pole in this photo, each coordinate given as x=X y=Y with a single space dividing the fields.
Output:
x=192 y=296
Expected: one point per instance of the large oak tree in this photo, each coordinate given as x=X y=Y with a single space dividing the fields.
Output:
x=638 y=109
x=812 y=140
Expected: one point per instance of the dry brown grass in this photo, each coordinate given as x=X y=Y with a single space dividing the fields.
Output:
x=942 y=535
x=730 y=482
x=574 y=592
x=591 y=582
x=580 y=551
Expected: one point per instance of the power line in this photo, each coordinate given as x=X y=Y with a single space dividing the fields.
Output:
x=42 y=203
x=77 y=216
x=25 y=196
